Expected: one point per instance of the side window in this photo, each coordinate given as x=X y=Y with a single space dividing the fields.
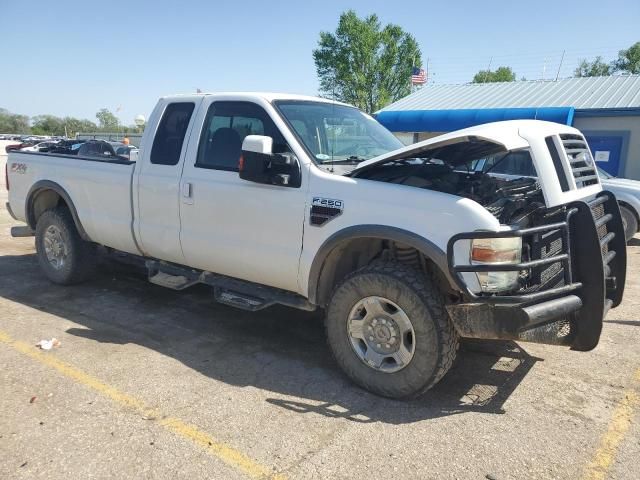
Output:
x=225 y=126
x=105 y=149
x=89 y=148
x=169 y=138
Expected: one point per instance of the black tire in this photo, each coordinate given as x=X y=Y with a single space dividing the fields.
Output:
x=436 y=340
x=80 y=259
x=630 y=222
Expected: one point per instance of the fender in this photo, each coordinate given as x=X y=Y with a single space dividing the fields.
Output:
x=43 y=185
x=382 y=232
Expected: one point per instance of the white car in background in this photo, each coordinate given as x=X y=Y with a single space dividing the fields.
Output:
x=39 y=147
x=628 y=194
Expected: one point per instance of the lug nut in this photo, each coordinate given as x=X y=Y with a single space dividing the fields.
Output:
x=393 y=340
x=371 y=338
x=378 y=345
x=374 y=322
x=387 y=345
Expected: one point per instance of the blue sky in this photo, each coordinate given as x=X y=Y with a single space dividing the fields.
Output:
x=74 y=57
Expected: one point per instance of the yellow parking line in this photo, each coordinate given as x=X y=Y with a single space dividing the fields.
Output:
x=615 y=434
x=219 y=449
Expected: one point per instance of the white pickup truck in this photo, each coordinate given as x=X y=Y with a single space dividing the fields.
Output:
x=305 y=202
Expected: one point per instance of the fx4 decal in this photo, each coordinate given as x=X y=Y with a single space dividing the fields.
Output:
x=18 y=168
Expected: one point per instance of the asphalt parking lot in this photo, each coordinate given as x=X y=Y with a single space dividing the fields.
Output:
x=151 y=383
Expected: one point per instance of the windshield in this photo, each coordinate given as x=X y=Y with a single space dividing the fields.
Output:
x=336 y=133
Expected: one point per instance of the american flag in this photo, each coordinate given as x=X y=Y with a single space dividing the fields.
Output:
x=418 y=76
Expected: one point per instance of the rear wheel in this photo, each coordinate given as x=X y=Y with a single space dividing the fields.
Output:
x=388 y=330
x=629 y=222
x=63 y=256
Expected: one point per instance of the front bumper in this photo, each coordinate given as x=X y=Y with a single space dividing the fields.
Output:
x=570 y=312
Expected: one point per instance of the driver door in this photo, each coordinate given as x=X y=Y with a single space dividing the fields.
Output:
x=231 y=226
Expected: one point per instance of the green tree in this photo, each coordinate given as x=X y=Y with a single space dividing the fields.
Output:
x=364 y=64
x=629 y=60
x=47 y=125
x=76 y=125
x=107 y=120
x=596 y=68
x=13 y=123
x=501 y=74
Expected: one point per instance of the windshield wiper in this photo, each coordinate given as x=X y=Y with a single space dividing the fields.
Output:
x=352 y=160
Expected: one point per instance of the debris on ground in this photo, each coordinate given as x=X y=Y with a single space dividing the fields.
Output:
x=33 y=399
x=48 y=344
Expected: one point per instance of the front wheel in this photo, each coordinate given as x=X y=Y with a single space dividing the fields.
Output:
x=389 y=332
x=63 y=256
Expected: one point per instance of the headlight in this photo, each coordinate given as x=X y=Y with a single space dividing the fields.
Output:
x=497 y=251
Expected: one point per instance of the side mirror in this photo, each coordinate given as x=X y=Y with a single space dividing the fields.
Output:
x=259 y=164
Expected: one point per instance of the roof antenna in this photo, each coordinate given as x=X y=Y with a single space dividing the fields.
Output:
x=333 y=113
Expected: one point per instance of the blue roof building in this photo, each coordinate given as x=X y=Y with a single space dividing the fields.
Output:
x=606 y=109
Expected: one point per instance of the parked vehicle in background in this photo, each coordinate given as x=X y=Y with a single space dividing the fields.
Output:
x=40 y=147
x=96 y=148
x=628 y=194
x=301 y=201
x=67 y=147
x=18 y=146
x=125 y=150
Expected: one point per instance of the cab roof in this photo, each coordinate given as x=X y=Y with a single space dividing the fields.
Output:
x=268 y=96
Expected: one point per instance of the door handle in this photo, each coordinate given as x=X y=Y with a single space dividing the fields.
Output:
x=187 y=193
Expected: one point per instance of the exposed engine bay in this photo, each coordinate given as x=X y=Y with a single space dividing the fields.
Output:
x=513 y=201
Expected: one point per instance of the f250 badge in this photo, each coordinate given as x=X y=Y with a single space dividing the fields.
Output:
x=324 y=209
x=19 y=168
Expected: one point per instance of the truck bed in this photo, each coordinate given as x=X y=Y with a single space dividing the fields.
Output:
x=101 y=189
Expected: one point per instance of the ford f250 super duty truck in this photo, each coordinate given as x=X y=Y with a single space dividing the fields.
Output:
x=310 y=203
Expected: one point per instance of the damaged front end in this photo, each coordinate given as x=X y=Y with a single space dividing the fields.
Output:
x=559 y=257
x=572 y=273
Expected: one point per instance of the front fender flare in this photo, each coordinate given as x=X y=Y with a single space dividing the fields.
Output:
x=382 y=232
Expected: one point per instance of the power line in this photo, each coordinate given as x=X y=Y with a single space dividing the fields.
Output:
x=530 y=65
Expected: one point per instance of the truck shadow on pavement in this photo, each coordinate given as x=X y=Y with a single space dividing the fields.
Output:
x=278 y=350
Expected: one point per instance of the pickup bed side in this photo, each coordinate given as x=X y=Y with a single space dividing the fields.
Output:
x=100 y=192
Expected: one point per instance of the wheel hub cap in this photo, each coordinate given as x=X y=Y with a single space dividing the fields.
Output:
x=381 y=334
x=55 y=247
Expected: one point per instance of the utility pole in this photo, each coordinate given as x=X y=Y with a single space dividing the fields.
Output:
x=486 y=77
x=560 y=66
x=426 y=71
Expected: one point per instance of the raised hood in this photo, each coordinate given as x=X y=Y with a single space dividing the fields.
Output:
x=459 y=146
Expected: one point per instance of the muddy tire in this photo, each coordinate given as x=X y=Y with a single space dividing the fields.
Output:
x=63 y=256
x=629 y=222
x=389 y=331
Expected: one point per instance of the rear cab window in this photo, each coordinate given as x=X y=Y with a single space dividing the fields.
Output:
x=169 y=138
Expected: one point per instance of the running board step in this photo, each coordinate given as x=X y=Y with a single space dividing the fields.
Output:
x=18 y=232
x=230 y=291
x=174 y=282
x=240 y=300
